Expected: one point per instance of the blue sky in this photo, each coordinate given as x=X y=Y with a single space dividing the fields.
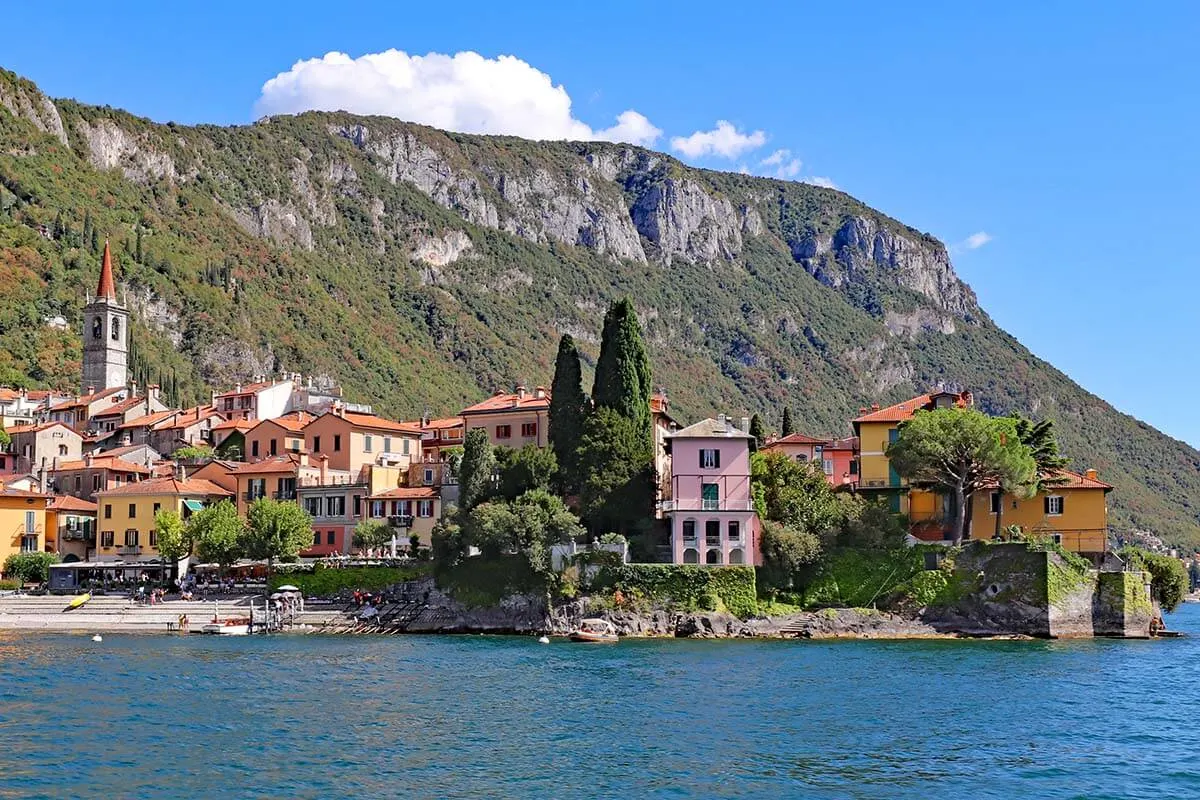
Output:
x=1066 y=134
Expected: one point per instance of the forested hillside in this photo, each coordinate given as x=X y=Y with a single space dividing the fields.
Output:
x=423 y=269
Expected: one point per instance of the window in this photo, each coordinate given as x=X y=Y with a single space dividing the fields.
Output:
x=106 y=538
x=256 y=488
x=108 y=511
x=96 y=482
x=994 y=499
x=337 y=443
x=316 y=538
x=893 y=435
x=710 y=497
x=428 y=476
x=377 y=509
x=157 y=507
x=154 y=538
x=97 y=327
x=312 y=506
x=802 y=458
x=691 y=556
x=336 y=506
x=689 y=530
x=131 y=537
x=329 y=537
x=735 y=531
x=79 y=483
x=274 y=444
x=404 y=445
x=62 y=449
x=358 y=505
x=854 y=467
x=712 y=557
x=387 y=444
x=30 y=522
x=710 y=459
x=117 y=481
x=367 y=443
x=504 y=431
x=316 y=444
x=736 y=556
x=424 y=508
x=29 y=543
x=254 y=448
x=712 y=532
x=827 y=464
x=1054 y=505
x=529 y=430
x=116 y=328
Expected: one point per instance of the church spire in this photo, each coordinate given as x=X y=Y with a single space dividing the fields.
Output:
x=106 y=288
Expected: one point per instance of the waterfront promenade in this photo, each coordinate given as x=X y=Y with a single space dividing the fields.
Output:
x=108 y=614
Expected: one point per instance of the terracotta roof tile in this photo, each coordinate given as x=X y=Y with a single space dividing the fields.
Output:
x=509 y=402
x=236 y=425
x=87 y=399
x=147 y=420
x=267 y=465
x=102 y=462
x=168 y=485
x=902 y=411
x=379 y=423
x=407 y=493
x=67 y=503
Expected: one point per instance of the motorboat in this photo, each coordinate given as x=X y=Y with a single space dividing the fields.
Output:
x=231 y=626
x=595 y=631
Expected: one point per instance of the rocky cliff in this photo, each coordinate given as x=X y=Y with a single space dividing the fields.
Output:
x=423 y=268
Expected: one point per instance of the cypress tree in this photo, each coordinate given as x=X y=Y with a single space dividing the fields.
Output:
x=475 y=472
x=623 y=369
x=568 y=412
x=787 y=429
x=757 y=430
x=88 y=228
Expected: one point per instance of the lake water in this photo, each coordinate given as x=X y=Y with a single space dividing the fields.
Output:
x=294 y=716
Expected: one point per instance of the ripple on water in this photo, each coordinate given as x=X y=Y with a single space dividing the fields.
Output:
x=491 y=716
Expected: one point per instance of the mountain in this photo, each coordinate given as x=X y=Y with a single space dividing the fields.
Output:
x=423 y=269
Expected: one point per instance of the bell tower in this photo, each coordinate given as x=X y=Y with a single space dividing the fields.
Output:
x=105 y=335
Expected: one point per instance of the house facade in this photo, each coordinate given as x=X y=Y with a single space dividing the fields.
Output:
x=408 y=511
x=262 y=399
x=71 y=528
x=711 y=512
x=35 y=447
x=277 y=436
x=512 y=420
x=125 y=518
x=353 y=441
x=86 y=477
x=835 y=457
x=23 y=523
x=1072 y=511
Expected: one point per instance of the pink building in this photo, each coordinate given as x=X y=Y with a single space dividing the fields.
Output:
x=834 y=456
x=711 y=513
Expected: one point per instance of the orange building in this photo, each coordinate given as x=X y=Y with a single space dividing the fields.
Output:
x=512 y=420
x=353 y=441
x=277 y=436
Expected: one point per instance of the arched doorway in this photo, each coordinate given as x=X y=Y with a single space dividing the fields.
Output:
x=713 y=556
x=691 y=556
x=70 y=558
x=736 y=556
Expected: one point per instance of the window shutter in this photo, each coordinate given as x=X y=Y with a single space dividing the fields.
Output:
x=1062 y=505
x=717 y=459
x=701 y=459
x=1046 y=505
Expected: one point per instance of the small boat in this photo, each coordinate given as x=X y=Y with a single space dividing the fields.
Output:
x=78 y=601
x=595 y=631
x=233 y=626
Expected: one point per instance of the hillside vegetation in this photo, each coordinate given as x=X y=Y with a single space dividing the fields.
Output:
x=423 y=269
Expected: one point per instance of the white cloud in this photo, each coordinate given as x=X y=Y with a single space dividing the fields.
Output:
x=464 y=92
x=780 y=164
x=724 y=140
x=972 y=242
x=817 y=180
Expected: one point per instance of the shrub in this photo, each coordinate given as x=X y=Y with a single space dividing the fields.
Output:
x=687 y=586
x=1168 y=577
x=30 y=567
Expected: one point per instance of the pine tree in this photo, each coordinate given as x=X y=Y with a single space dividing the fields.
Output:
x=787 y=429
x=757 y=430
x=476 y=471
x=59 y=228
x=568 y=412
x=95 y=240
x=623 y=369
x=138 y=252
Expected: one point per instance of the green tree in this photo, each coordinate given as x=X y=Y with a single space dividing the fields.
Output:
x=568 y=412
x=528 y=468
x=757 y=430
x=797 y=495
x=527 y=526
x=218 y=533
x=193 y=451
x=277 y=530
x=1168 y=576
x=30 y=567
x=787 y=429
x=785 y=551
x=171 y=536
x=617 y=493
x=476 y=472
x=371 y=535
x=959 y=451
x=622 y=381
x=5 y=439
x=1043 y=446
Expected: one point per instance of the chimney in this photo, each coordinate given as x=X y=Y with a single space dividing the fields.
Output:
x=213 y=397
x=874 y=406
x=133 y=388
x=87 y=459
x=1091 y=474
x=520 y=392
x=721 y=420
x=324 y=459
x=90 y=390
x=862 y=409
x=745 y=425
x=540 y=393
x=181 y=472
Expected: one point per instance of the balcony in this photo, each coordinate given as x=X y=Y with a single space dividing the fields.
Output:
x=251 y=496
x=400 y=521
x=284 y=494
x=129 y=549
x=696 y=504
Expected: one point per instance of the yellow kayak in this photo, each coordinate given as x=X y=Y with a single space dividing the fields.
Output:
x=76 y=602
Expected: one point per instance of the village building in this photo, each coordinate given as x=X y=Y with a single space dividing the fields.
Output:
x=217 y=471
x=263 y=399
x=84 y=478
x=277 y=436
x=512 y=420
x=105 y=335
x=125 y=523
x=408 y=511
x=353 y=441
x=229 y=437
x=35 y=448
x=439 y=436
x=835 y=457
x=22 y=521
x=710 y=512
x=71 y=528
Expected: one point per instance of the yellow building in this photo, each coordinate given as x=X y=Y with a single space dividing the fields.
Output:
x=125 y=515
x=1074 y=511
x=22 y=521
x=876 y=428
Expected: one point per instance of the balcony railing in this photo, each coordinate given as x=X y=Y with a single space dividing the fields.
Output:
x=250 y=497
x=129 y=549
x=284 y=494
x=401 y=521
x=696 y=504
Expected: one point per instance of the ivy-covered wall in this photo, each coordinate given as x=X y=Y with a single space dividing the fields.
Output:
x=686 y=586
